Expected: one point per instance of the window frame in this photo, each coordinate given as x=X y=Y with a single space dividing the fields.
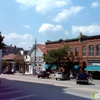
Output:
x=91 y=50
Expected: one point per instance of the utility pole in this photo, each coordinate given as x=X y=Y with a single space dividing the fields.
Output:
x=34 y=69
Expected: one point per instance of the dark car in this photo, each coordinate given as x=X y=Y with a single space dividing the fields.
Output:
x=7 y=72
x=82 y=78
x=43 y=74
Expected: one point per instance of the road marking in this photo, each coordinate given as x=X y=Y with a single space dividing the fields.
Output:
x=11 y=92
x=23 y=97
x=6 y=88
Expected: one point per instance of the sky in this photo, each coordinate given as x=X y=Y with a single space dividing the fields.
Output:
x=24 y=21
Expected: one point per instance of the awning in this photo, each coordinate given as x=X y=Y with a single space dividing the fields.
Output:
x=76 y=67
x=92 y=68
x=47 y=66
x=54 y=67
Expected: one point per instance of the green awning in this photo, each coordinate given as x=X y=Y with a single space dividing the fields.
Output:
x=54 y=67
x=92 y=68
x=76 y=67
x=47 y=66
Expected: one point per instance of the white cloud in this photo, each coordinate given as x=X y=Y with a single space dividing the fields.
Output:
x=95 y=4
x=43 y=5
x=64 y=15
x=46 y=28
x=53 y=32
x=87 y=30
x=25 y=41
x=66 y=32
x=26 y=26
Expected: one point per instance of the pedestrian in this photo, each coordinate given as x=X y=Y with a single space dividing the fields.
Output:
x=90 y=76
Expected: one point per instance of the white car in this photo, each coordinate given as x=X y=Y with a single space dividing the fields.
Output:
x=58 y=75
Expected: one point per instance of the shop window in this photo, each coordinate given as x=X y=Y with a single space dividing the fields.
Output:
x=84 y=51
x=91 y=50
x=98 y=50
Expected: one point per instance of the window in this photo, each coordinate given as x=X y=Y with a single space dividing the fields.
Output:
x=98 y=50
x=84 y=51
x=76 y=51
x=91 y=50
x=71 y=51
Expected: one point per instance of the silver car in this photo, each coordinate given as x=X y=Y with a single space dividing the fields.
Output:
x=58 y=75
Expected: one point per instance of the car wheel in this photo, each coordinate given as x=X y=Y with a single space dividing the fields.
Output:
x=87 y=83
x=56 y=78
x=38 y=76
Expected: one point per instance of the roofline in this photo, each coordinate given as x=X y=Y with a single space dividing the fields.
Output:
x=74 y=39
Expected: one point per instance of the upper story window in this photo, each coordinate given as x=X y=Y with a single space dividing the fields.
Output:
x=91 y=50
x=76 y=51
x=98 y=50
x=84 y=51
x=71 y=51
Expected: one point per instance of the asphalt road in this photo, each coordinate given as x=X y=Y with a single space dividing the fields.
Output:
x=18 y=87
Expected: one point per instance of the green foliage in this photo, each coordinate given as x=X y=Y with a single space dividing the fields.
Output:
x=19 y=59
x=2 y=45
x=4 y=64
x=56 y=55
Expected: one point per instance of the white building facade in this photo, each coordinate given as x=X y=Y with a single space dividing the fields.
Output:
x=36 y=58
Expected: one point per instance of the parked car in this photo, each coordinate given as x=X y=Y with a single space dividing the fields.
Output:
x=60 y=75
x=82 y=78
x=7 y=72
x=43 y=74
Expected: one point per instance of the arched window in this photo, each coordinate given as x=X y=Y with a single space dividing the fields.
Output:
x=91 y=50
x=98 y=50
x=84 y=51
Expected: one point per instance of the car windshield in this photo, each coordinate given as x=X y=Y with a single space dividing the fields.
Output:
x=82 y=75
x=59 y=72
x=41 y=72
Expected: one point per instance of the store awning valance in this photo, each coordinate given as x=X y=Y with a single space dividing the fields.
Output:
x=92 y=68
x=76 y=67
x=54 y=67
x=47 y=66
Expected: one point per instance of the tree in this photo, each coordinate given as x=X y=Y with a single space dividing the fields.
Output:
x=19 y=61
x=56 y=56
x=2 y=46
x=4 y=64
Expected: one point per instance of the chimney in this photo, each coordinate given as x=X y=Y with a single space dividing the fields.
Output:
x=80 y=35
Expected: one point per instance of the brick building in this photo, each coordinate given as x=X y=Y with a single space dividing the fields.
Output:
x=86 y=49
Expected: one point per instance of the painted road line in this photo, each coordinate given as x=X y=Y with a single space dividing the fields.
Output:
x=6 y=88
x=23 y=97
x=11 y=92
